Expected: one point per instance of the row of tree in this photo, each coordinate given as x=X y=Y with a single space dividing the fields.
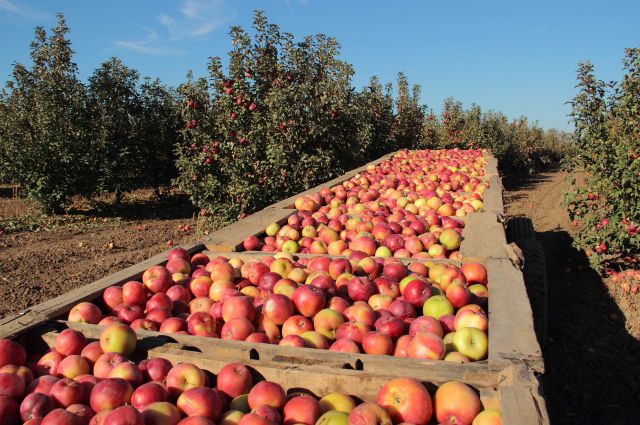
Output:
x=280 y=118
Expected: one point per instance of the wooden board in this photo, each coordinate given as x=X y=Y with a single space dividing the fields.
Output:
x=512 y=336
x=492 y=199
x=50 y=309
x=230 y=238
x=476 y=373
x=483 y=237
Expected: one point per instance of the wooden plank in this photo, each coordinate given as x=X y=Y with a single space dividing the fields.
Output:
x=492 y=199
x=520 y=401
x=477 y=373
x=512 y=336
x=230 y=238
x=483 y=237
x=26 y=319
x=318 y=380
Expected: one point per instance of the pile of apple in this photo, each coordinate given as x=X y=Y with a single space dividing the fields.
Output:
x=361 y=304
x=400 y=208
x=94 y=383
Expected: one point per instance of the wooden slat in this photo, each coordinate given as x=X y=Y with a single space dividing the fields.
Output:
x=230 y=238
x=483 y=237
x=14 y=324
x=319 y=380
x=492 y=199
x=476 y=373
x=520 y=401
x=512 y=336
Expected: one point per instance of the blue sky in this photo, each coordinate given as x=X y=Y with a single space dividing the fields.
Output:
x=511 y=56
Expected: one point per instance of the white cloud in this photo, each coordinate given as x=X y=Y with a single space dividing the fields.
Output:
x=196 y=19
x=193 y=20
x=9 y=9
x=150 y=45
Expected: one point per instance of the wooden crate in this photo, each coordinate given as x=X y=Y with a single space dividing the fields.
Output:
x=506 y=379
x=514 y=390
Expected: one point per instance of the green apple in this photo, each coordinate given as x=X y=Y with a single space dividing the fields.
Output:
x=337 y=401
x=437 y=306
x=333 y=417
x=272 y=229
x=471 y=342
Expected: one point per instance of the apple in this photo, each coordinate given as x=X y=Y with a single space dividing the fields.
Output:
x=425 y=345
x=402 y=309
x=146 y=394
x=437 y=306
x=155 y=369
x=237 y=329
x=160 y=413
x=488 y=417
x=426 y=324
x=456 y=402
x=369 y=414
x=313 y=339
x=129 y=313
x=296 y=325
x=302 y=409
x=238 y=307
x=72 y=366
x=454 y=356
x=200 y=401
x=42 y=384
x=48 y=363
x=112 y=296
x=22 y=371
x=109 y=394
x=467 y=318
x=185 y=376
x=361 y=288
x=417 y=292
x=345 y=345
x=12 y=353
x=338 y=402
x=66 y=392
x=475 y=273
x=157 y=279
x=83 y=312
x=61 y=417
x=234 y=379
x=181 y=293
x=458 y=294
x=277 y=308
x=82 y=411
x=12 y=385
x=406 y=400
x=360 y=312
x=450 y=239
x=231 y=417
x=128 y=371
x=471 y=342
x=267 y=393
x=390 y=326
x=124 y=415
x=377 y=343
x=35 y=405
x=309 y=300
x=201 y=324
x=326 y=322
x=118 y=338
x=9 y=410
x=333 y=417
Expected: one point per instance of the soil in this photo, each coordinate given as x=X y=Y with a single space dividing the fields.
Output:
x=85 y=245
x=592 y=373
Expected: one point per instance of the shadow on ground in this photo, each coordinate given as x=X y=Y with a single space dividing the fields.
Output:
x=592 y=369
x=138 y=207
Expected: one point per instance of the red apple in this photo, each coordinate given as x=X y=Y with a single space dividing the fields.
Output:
x=456 y=402
x=151 y=392
x=345 y=345
x=425 y=324
x=267 y=393
x=377 y=343
x=390 y=326
x=309 y=300
x=84 y=312
x=66 y=392
x=124 y=415
x=406 y=400
x=109 y=394
x=12 y=353
x=112 y=296
x=238 y=307
x=155 y=369
x=426 y=345
x=105 y=364
x=200 y=401
x=361 y=288
x=277 y=308
x=134 y=293
x=61 y=417
x=302 y=409
x=185 y=376
x=157 y=279
x=35 y=405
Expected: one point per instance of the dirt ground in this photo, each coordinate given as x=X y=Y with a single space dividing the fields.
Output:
x=77 y=249
x=591 y=358
x=592 y=368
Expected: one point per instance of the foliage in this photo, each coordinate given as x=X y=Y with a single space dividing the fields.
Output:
x=282 y=118
x=44 y=133
x=606 y=203
x=522 y=148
